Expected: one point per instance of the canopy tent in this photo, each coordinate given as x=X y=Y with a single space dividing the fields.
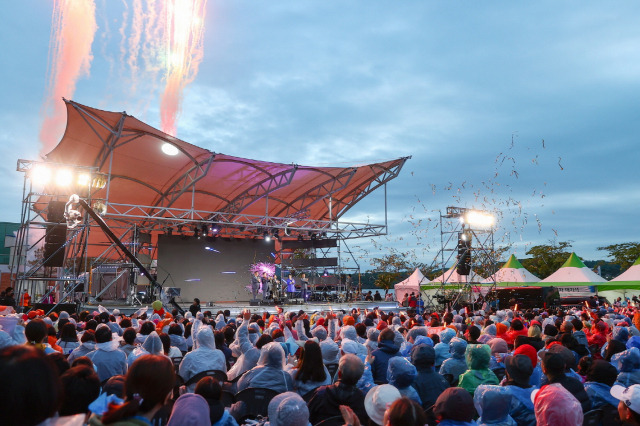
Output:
x=628 y=280
x=451 y=276
x=151 y=176
x=512 y=274
x=410 y=284
x=573 y=273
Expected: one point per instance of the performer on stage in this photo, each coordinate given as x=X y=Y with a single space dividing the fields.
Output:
x=264 y=280
x=255 y=285
x=291 y=287
x=304 y=283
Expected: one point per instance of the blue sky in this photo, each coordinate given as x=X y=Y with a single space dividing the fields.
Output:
x=470 y=90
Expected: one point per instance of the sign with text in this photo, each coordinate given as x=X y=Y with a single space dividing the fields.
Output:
x=578 y=291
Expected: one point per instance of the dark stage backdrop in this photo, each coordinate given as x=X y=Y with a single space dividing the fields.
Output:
x=220 y=265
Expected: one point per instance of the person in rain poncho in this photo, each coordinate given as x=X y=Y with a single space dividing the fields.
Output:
x=600 y=377
x=107 y=358
x=492 y=404
x=387 y=349
x=518 y=370
x=427 y=383
x=401 y=374
x=628 y=364
x=206 y=357
x=554 y=405
x=366 y=381
x=269 y=373
x=190 y=410
x=454 y=366
x=243 y=348
x=442 y=348
x=454 y=407
x=478 y=358
x=310 y=373
x=87 y=344
x=151 y=346
x=177 y=339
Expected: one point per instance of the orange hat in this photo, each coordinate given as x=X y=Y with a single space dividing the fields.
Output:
x=348 y=320
x=500 y=329
x=32 y=314
x=168 y=315
x=382 y=325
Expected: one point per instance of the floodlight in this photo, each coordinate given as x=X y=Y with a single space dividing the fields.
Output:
x=479 y=219
x=169 y=149
x=40 y=174
x=64 y=177
x=84 y=179
x=267 y=238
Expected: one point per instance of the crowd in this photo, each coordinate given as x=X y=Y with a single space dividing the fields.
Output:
x=360 y=367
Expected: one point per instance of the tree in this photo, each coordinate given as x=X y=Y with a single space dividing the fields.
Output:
x=390 y=268
x=624 y=254
x=547 y=258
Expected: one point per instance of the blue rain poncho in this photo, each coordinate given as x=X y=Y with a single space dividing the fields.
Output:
x=628 y=364
x=152 y=345
x=442 y=348
x=492 y=404
x=206 y=357
x=108 y=360
x=269 y=373
x=456 y=365
x=401 y=374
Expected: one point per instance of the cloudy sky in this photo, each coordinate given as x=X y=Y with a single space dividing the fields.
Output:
x=531 y=109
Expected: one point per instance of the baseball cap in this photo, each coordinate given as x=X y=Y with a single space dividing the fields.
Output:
x=630 y=396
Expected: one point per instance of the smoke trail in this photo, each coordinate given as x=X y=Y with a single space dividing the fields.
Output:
x=72 y=30
x=184 y=52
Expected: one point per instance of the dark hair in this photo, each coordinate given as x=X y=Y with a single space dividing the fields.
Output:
x=386 y=334
x=68 y=333
x=103 y=334
x=35 y=331
x=91 y=325
x=474 y=332
x=209 y=388
x=60 y=362
x=81 y=386
x=218 y=337
x=577 y=324
x=147 y=328
x=614 y=347
x=166 y=342
x=30 y=389
x=405 y=412
x=125 y=323
x=129 y=336
x=263 y=340
x=82 y=360
x=88 y=336
x=175 y=329
x=151 y=377
x=229 y=334
x=584 y=364
x=277 y=333
x=187 y=330
x=517 y=325
x=310 y=364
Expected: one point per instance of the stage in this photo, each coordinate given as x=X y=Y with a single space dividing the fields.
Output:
x=237 y=307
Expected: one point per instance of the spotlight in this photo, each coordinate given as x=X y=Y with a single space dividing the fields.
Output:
x=169 y=149
x=169 y=231
x=40 y=174
x=204 y=229
x=84 y=179
x=196 y=232
x=179 y=229
x=323 y=234
x=266 y=236
x=314 y=237
x=300 y=237
x=478 y=219
x=64 y=177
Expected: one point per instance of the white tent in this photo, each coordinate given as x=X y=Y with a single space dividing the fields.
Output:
x=409 y=285
x=511 y=274
x=452 y=277
x=628 y=280
x=573 y=273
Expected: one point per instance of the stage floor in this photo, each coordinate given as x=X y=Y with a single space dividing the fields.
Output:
x=237 y=307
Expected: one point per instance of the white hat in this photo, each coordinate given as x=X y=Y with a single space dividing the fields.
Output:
x=378 y=399
x=630 y=396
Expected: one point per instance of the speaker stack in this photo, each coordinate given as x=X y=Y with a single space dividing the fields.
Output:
x=56 y=234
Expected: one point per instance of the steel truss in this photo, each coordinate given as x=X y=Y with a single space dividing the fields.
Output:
x=482 y=253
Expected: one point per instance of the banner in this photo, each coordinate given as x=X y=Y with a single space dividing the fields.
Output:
x=578 y=291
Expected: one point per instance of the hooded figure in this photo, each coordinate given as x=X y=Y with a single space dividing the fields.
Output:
x=554 y=405
x=206 y=357
x=518 y=372
x=387 y=349
x=366 y=381
x=412 y=335
x=288 y=409
x=152 y=345
x=427 y=383
x=190 y=410
x=453 y=367
x=442 y=348
x=372 y=339
x=244 y=350
x=478 y=358
x=401 y=374
x=107 y=358
x=492 y=404
x=269 y=372
x=628 y=363
x=600 y=378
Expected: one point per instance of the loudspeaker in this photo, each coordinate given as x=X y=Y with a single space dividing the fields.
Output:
x=56 y=235
x=68 y=307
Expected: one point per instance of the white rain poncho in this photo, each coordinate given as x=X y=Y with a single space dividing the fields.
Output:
x=269 y=373
x=108 y=360
x=492 y=404
x=152 y=345
x=288 y=409
x=206 y=357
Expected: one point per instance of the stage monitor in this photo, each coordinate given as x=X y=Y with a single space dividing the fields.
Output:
x=210 y=269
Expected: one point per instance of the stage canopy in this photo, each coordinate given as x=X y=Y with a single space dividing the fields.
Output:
x=573 y=273
x=512 y=274
x=152 y=175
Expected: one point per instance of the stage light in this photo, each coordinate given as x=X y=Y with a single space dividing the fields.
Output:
x=204 y=229
x=179 y=229
x=196 y=232
x=84 y=179
x=169 y=149
x=214 y=229
x=64 y=177
x=323 y=234
x=40 y=174
x=169 y=231
x=478 y=219
x=300 y=238
x=266 y=236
